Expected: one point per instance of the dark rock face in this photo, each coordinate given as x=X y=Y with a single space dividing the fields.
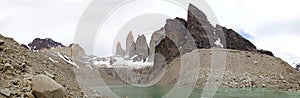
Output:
x=132 y=51
x=265 y=52
x=167 y=48
x=1 y=42
x=156 y=37
x=197 y=32
x=234 y=40
x=200 y=28
x=142 y=48
x=120 y=51
x=25 y=46
x=39 y=44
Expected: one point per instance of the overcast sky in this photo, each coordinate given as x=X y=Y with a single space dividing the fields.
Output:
x=270 y=24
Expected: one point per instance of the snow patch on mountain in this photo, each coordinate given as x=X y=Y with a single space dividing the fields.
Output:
x=67 y=59
x=54 y=61
x=121 y=62
x=218 y=42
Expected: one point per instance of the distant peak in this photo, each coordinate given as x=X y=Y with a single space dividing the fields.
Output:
x=47 y=43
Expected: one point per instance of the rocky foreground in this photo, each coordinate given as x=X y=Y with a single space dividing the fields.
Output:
x=28 y=74
x=243 y=69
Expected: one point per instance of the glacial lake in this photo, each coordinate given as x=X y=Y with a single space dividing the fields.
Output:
x=127 y=91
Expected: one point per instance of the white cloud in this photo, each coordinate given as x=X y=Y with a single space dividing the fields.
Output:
x=25 y=20
x=274 y=24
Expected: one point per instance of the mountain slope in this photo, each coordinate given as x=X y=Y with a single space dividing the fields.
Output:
x=19 y=64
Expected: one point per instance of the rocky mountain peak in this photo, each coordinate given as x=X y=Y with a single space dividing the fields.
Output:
x=142 y=48
x=197 y=32
x=47 y=43
x=129 y=42
x=119 y=50
x=185 y=36
x=77 y=50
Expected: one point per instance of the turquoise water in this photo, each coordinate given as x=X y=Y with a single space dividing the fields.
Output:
x=160 y=91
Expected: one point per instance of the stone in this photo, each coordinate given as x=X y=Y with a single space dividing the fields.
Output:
x=29 y=95
x=6 y=92
x=119 y=50
x=8 y=66
x=281 y=77
x=1 y=42
x=49 y=74
x=255 y=62
x=45 y=87
x=263 y=85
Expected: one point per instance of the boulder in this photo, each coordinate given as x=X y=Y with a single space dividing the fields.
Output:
x=6 y=92
x=45 y=87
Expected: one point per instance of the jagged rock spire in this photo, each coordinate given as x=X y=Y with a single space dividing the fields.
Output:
x=119 y=50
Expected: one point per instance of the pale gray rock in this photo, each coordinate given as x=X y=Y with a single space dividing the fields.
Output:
x=45 y=87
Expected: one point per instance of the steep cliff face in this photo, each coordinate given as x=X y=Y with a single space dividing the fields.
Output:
x=200 y=28
x=235 y=41
x=198 y=33
x=142 y=48
x=129 y=42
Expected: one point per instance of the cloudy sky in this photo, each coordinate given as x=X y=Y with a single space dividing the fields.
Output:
x=270 y=24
